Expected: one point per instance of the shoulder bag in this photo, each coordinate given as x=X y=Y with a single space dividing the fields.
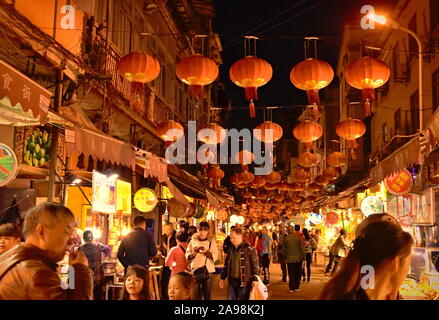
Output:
x=202 y=274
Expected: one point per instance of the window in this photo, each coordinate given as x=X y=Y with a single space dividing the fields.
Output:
x=435 y=88
x=414 y=111
x=386 y=137
x=413 y=46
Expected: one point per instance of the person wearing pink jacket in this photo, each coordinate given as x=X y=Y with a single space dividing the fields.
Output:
x=176 y=259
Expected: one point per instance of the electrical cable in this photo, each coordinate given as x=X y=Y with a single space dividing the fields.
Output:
x=26 y=198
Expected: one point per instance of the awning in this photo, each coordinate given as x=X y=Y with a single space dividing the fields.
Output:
x=405 y=156
x=156 y=167
x=217 y=199
x=99 y=146
x=23 y=102
x=432 y=132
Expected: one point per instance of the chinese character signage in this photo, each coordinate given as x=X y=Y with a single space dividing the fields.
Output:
x=399 y=183
x=145 y=200
x=123 y=197
x=104 y=193
x=22 y=100
x=372 y=205
x=8 y=165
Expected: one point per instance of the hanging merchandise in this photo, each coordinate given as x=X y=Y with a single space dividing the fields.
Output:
x=251 y=73
x=222 y=215
x=216 y=174
x=197 y=71
x=371 y=205
x=399 y=183
x=367 y=74
x=351 y=129
x=8 y=165
x=312 y=75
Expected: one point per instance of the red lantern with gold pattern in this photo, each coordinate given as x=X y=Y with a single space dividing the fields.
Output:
x=337 y=159
x=251 y=73
x=273 y=177
x=170 y=130
x=197 y=71
x=312 y=75
x=351 y=129
x=262 y=132
x=246 y=177
x=367 y=74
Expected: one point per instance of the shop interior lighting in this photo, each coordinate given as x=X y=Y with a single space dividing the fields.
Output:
x=77 y=181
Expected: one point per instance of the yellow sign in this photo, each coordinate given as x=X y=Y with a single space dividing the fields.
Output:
x=145 y=200
x=123 y=196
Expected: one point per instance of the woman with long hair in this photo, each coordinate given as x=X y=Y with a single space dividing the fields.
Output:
x=375 y=266
x=136 y=284
x=309 y=245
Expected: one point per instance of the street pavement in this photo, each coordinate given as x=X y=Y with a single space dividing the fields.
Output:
x=278 y=290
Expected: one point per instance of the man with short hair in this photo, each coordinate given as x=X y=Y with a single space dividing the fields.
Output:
x=227 y=244
x=241 y=267
x=138 y=246
x=294 y=253
x=29 y=270
x=168 y=241
x=298 y=232
x=10 y=236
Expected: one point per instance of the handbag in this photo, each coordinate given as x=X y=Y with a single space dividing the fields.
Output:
x=260 y=292
x=202 y=274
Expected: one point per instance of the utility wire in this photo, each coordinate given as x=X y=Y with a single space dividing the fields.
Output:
x=265 y=23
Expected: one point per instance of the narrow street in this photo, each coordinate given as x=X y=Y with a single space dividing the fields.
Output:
x=279 y=290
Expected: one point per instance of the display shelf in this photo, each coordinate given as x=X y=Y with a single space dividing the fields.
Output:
x=26 y=170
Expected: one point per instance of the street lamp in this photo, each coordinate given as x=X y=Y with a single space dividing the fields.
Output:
x=395 y=25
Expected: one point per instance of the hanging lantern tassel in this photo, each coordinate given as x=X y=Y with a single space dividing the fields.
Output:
x=252 y=109
x=196 y=91
x=353 y=145
x=313 y=97
x=137 y=90
x=251 y=93
x=308 y=146
x=368 y=95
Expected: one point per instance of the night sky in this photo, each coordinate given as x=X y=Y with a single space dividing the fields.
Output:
x=282 y=46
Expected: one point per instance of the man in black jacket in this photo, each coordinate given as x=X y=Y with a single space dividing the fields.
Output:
x=168 y=241
x=241 y=268
x=138 y=246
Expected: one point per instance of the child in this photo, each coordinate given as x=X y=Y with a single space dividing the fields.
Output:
x=136 y=284
x=181 y=287
x=10 y=235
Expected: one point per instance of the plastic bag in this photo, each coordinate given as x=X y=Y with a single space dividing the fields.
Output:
x=260 y=292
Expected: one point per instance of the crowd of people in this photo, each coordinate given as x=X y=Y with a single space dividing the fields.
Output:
x=29 y=268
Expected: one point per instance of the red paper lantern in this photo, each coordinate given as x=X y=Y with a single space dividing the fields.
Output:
x=331 y=173
x=321 y=180
x=258 y=182
x=351 y=129
x=332 y=217
x=314 y=187
x=251 y=73
x=139 y=67
x=273 y=177
x=261 y=132
x=307 y=132
x=212 y=134
x=307 y=159
x=367 y=74
x=337 y=159
x=312 y=75
x=197 y=71
x=170 y=130
x=302 y=175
